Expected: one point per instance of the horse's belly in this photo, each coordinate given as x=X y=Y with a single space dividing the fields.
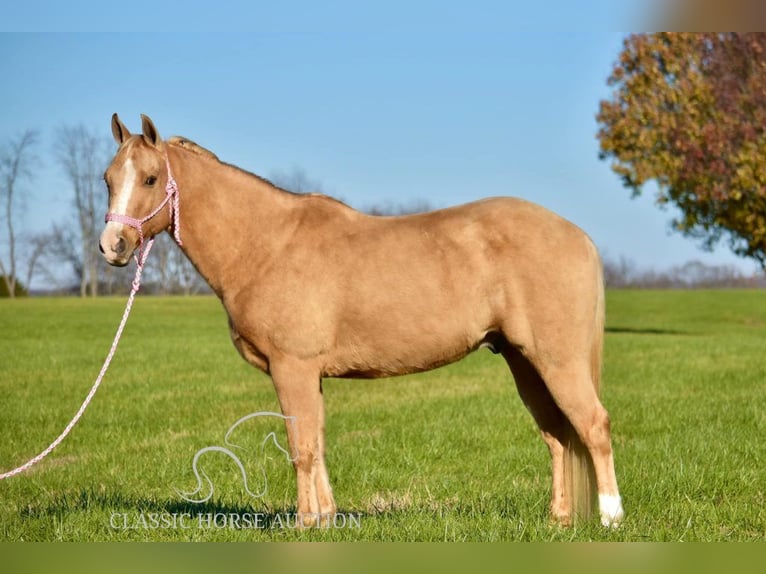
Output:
x=389 y=356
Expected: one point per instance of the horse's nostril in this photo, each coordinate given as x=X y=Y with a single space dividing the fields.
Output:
x=120 y=246
x=100 y=247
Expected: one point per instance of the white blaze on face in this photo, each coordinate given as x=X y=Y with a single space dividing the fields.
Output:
x=123 y=194
x=119 y=204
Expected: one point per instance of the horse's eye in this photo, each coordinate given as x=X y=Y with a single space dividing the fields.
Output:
x=150 y=180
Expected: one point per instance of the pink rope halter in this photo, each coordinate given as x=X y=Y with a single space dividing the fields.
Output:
x=171 y=198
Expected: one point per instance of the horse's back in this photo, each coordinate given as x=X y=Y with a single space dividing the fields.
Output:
x=483 y=241
x=412 y=292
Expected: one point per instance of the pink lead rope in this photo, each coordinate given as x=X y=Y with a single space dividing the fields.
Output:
x=171 y=189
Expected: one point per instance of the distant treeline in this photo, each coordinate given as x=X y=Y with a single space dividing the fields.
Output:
x=624 y=273
x=618 y=274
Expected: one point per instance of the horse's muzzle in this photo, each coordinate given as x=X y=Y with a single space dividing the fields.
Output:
x=114 y=247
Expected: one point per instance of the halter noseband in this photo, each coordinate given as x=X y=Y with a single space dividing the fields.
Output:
x=171 y=200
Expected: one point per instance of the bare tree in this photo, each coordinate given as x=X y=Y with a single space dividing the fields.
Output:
x=36 y=246
x=624 y=273
x=390 y=208
x=16 y=160
x=169 y=271
x=296 y=180
x=619 y=273
x=84 y=155
x=66 y=248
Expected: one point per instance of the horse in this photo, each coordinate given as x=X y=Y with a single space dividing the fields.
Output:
x=313 y=289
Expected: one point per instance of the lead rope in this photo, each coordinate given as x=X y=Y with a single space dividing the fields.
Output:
x=140 y=261
x=171 y=199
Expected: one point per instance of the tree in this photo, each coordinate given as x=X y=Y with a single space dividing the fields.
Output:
x=84 y=155
x=393 y=209
x=16 y=160
x=296 y=180
x=169 y=271
x=35 y=247
x=688 y=112
x=18 y=288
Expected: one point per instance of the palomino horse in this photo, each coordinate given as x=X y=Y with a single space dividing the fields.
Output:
x=316 y=289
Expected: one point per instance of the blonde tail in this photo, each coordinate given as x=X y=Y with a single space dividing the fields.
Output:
x=579 y=475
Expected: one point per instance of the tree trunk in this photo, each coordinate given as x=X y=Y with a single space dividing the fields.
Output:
x=14 y=165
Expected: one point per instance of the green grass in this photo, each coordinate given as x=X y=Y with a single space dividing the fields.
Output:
x=447 y=455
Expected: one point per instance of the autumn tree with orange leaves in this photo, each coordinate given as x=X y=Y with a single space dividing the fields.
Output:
x=688 y=112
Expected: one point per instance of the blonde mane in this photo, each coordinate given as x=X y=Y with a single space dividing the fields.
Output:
x=194 y=147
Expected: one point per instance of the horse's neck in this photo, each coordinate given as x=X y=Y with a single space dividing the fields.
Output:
x=228 y=217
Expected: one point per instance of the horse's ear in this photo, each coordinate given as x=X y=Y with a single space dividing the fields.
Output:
x=151 y=135
x=119 y=131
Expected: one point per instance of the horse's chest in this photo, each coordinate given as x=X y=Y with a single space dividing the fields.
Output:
x=248 y=350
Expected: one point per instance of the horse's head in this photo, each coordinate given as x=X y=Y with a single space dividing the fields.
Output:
x=137 y=180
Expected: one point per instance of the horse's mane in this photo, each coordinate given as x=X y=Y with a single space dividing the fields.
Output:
x=194 y=147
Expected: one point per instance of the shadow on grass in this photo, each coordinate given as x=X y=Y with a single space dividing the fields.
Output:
x=86 y=500
x=645 y=331
x=116 y=502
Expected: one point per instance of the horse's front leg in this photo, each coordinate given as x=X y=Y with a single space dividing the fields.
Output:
x=298 y=388
x=322 y=478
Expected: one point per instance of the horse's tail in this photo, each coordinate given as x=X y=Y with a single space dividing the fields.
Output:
x=579 y=476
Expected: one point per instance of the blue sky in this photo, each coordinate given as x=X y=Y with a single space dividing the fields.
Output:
x=393 y=105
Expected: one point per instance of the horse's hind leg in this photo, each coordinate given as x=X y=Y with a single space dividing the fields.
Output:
x=299 y=391
x=572 y=388
x=551 y=422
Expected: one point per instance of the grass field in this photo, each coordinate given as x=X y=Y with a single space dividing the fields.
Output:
x=447 y=455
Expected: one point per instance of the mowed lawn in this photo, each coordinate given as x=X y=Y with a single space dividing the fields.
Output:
x=447 y=455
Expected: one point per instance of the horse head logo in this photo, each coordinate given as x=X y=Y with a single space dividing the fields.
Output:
x=196 y=495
